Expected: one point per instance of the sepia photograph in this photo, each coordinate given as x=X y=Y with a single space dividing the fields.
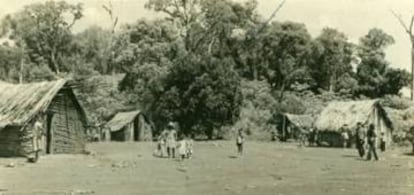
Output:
x=209 y=97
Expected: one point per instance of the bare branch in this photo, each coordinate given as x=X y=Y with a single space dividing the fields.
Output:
x=402 y=22
x=411 y=24
x=275 y=12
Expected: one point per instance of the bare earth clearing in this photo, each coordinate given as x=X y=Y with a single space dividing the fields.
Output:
x=266 y=168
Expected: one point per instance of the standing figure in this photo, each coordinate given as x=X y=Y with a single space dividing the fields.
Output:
x=36 y=136
x=382 y=140
x=171 y=140
x=190 y=144
x=311 y=138
x=239 y=142
x=371 y=137
x=303 y=134
x=345 y=135
x=161 y=143
x=360 y=139
x=182 y=147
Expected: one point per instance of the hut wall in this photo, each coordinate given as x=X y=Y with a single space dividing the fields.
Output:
x=330 y=138
x=118 y=135
x=378 y=120
x=10 y=141
x=68 y=133
x=144 y=129
x=15 y=141
x=129 y=132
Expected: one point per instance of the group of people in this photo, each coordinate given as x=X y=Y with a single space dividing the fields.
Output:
x=169 y=142
x=365 y=138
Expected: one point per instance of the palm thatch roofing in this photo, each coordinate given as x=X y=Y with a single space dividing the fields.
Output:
x=300 y=120
x=338 y=113
x=19 y=103
x=121 y=119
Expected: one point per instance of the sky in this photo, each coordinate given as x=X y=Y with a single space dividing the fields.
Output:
x=353 y=17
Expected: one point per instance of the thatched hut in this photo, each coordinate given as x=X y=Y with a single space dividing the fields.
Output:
x=54 y=104
x=337 y=114
x=288 y=125
x=130 y=126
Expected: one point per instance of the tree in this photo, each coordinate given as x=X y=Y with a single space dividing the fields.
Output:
x=332 y=57
x=45 y=30
x=286 y=50
x=202 y=93
x=395 y=79
x=373 y=65
x=9 y=60
x=90 y=46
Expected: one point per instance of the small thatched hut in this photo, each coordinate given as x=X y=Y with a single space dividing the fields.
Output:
x=130 y=126
x=336 y=114
x=54 y=104
x=288 y=125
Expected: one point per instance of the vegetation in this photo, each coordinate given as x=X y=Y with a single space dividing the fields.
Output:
x=207 y=64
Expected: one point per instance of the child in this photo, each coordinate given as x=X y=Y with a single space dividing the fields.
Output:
x=239 y=142
x=382 y=142
x=161 y=145
x=182 y=148
x=189 y=146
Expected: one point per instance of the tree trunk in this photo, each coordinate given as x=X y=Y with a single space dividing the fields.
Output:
x=412 y=68
x=331 y=83
x=54 y=63
x=282 y=91
x=21 y=70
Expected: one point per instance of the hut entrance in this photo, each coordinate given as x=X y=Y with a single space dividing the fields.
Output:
x=136 y=130
x=49 y=134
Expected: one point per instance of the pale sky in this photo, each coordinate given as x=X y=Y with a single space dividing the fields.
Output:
x=353 y=17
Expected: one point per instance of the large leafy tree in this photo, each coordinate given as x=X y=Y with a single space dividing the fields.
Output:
x=375 y=77
x=286 y=50
x=44 y=30
x=332 y=58
x=202 y=93
x=90 y=47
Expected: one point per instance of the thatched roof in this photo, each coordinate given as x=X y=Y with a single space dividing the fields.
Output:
x=336 y=114
x=300 y=120
x=19 y=103
x=121 y=119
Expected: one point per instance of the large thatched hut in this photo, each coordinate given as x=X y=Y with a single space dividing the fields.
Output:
x=130 y=126
x=288 y=125
x=337 y=114
x=54 y=105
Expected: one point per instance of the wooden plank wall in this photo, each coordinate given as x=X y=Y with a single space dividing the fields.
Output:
x=145 y=129
x=68 y=132
x=10 y=141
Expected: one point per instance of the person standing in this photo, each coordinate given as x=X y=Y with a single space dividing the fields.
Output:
x=239 y=142
x=182 y=147
x=161 y=143
x=382 y=142
x=36 y=139
x=171 y=140
x=360 y=139
x=345 y=135
x=190 y=145
x=371 y=137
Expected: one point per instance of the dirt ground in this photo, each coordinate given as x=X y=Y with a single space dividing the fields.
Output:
x=266 y=168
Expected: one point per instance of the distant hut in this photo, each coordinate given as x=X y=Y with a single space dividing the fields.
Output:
x=288 y=125
x=130 y=126
x=336 y=114
x=57 y=108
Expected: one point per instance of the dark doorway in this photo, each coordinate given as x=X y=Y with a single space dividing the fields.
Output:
x=136 y=129
x=49 y=134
